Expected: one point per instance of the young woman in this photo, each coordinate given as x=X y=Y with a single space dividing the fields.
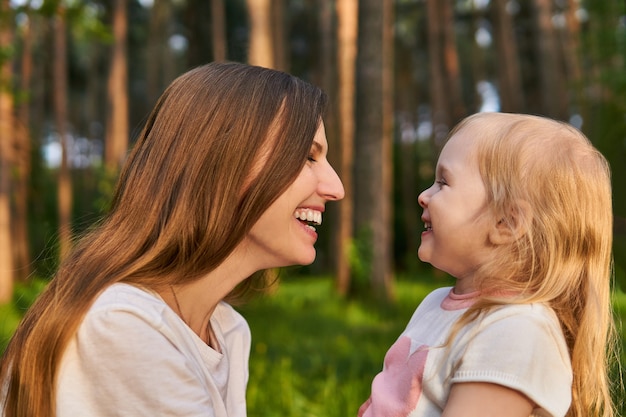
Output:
x=229 y=177
x=520 y=214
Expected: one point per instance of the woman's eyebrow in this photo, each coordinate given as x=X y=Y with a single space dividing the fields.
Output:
x=318 y=146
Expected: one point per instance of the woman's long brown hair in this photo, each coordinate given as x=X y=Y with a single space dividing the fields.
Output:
x=184 y=200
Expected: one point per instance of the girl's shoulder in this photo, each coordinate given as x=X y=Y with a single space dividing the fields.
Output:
x=523 y=312
x=437 y=296
x=523 y=321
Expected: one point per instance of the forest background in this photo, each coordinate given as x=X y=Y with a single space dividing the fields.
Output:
x=78 y=78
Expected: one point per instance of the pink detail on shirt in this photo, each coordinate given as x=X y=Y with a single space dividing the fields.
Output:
x=396 y=390
x=459 y=301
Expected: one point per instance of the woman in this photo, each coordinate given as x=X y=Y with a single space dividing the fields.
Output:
x=229 y=177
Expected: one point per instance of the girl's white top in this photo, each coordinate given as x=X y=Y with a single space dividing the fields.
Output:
x=518 y=346
x=134 y=356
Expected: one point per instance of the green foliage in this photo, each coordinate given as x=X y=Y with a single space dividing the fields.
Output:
x=605 y=123
x=360 y=258
x=619 y=371
x=9 y=319
x=107 y=178
x=314 y=353
x=11 y=313
x=87 y=23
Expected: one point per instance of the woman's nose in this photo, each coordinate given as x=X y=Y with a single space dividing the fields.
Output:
x=330 y=186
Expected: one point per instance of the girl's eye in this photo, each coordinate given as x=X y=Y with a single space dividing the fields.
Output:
x=441 y=182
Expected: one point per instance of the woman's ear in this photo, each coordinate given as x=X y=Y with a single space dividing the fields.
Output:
x=513 y=225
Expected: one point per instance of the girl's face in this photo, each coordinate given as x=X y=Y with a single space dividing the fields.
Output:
x=455 y=215
x=285 y=234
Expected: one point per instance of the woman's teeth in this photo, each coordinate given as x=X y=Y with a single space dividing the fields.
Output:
x=311 y=217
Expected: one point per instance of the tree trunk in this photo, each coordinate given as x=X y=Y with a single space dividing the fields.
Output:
x=116 y=144
x=64 y=192
x=374 y=138
x=347 y=33
x=551 y=74
x=279 y=35
x=441 y=119
x=406 y=103
x=200 y=26
x=261 y=50
x=157 y=49
x=509 y=72
x=23 y=168
x=218 y=25
x=325 y=75
x=451 y=62
x=570 y=40
x=6 y=137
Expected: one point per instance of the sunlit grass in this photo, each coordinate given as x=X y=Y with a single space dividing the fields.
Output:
x=315 y=354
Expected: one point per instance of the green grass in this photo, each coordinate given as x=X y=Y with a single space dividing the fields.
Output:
x=313 y=353
x=619 y=306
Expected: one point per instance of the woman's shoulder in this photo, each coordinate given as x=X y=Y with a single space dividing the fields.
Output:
x=229 y=319
x=121 y=300
x=122 y=294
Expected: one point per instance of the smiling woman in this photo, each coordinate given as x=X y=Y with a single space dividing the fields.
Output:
x=137 y=320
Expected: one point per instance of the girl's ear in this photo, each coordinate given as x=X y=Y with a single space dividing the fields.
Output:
x=513 y=225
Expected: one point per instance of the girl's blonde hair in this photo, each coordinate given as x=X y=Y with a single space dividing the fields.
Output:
x=546 y=179
x=189 y=193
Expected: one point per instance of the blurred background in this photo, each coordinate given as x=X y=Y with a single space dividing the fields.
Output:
x=78 y=78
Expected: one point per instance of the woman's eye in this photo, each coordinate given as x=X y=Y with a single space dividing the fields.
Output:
x=310 y=158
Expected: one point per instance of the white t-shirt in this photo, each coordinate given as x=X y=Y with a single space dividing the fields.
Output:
x=518 y=346
x=134 y=356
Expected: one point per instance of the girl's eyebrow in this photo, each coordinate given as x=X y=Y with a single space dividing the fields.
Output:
x=443 y=171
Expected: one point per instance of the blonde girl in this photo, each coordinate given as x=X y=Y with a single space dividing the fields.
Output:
x=520 y=214
x=229 y=177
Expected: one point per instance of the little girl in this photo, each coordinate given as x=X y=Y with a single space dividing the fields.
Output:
x=520 y=214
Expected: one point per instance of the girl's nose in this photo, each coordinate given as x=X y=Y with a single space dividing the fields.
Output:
x=330 y=186
x=423 y=198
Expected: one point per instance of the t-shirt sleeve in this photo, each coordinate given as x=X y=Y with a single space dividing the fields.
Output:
x=124 y=364
x=523 y=350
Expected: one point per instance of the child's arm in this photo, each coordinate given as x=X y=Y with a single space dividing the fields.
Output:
x=481 y=399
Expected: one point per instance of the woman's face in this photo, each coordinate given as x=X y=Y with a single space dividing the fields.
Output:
x=285 y=233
